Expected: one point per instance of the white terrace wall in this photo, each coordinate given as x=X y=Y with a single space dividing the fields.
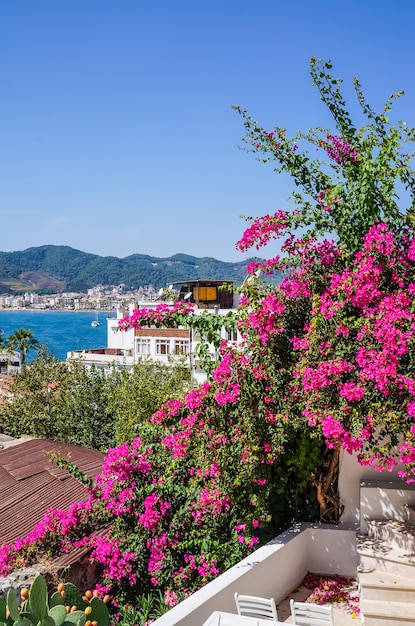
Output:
x=367 y=494
x=274 y=570
x=278 y=567
x=123 y=340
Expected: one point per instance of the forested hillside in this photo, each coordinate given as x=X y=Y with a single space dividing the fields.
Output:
x=62 y=268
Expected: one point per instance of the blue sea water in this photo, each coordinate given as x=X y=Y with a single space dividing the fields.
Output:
x=62 y=331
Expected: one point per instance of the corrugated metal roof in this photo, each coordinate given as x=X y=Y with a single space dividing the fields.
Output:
x=30 y=483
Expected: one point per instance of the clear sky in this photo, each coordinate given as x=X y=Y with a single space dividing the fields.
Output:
x=116 y=129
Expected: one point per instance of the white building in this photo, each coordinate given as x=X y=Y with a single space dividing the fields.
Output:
x=124 y=348
x=10 y=361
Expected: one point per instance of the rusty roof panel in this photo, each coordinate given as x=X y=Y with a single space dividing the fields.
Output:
x=30 y=484
x=65 y=559
x=12 y=494
x=5 y=479
x=19 y=456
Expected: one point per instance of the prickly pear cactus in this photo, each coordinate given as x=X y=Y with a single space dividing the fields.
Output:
x=58 y=614
x=56 y=599
x=3 y=609
x=73 y=596
x=37 y=603
x=66 y=607
x=99 y=612
x=13 y=606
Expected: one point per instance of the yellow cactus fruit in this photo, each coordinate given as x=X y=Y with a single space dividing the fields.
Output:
x=88 y=610
x=24 y=593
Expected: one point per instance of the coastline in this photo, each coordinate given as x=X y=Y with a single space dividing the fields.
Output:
x=33 y=310
x=63 y=330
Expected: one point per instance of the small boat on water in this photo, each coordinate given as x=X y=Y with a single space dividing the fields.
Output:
x=95 y=322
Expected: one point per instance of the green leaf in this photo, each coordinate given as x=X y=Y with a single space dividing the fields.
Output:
x=29 y=616
x=23 y=622
x=38 y=598
x=56 y=599
x=47 y=621
x=13 y=606
x=77 y=617
x=58 y=613
x=3 y=608
x=99 y=612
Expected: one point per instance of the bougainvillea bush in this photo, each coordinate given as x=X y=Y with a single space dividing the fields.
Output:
x=325 y=365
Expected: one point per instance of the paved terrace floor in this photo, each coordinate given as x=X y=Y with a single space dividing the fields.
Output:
x=342 y=613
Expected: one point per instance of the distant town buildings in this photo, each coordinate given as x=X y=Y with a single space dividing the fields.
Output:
x=125 y=348
x=99 y=298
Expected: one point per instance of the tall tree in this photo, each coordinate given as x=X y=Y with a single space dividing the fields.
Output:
x=142 y=391
x=23 y=340
x=61 y=401
x=66 y=401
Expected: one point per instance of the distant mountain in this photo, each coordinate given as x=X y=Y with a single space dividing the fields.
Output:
x=53 y=269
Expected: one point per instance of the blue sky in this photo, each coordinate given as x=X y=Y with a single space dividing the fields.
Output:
x=116 y=129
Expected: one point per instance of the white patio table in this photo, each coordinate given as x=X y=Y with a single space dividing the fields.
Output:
x=220 y=618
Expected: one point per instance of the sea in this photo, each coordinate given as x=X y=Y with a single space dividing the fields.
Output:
x=63 y=331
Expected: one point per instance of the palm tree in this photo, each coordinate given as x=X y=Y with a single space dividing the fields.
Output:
x=22 y=340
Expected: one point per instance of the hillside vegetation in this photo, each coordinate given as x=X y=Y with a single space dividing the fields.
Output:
x=53 y=269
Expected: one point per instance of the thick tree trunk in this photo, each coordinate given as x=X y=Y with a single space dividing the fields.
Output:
x=326 y=487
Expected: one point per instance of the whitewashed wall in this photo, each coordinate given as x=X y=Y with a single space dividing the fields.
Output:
x=274 y=570
x=367 y=494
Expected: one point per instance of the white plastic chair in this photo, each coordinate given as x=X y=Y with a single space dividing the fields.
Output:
x=252 y=606
x=307 y=614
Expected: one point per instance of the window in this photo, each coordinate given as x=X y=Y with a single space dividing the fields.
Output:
x=163 y=346
x=181 y=346
x=205 y=294
x=231 y=335
x=143 y=345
